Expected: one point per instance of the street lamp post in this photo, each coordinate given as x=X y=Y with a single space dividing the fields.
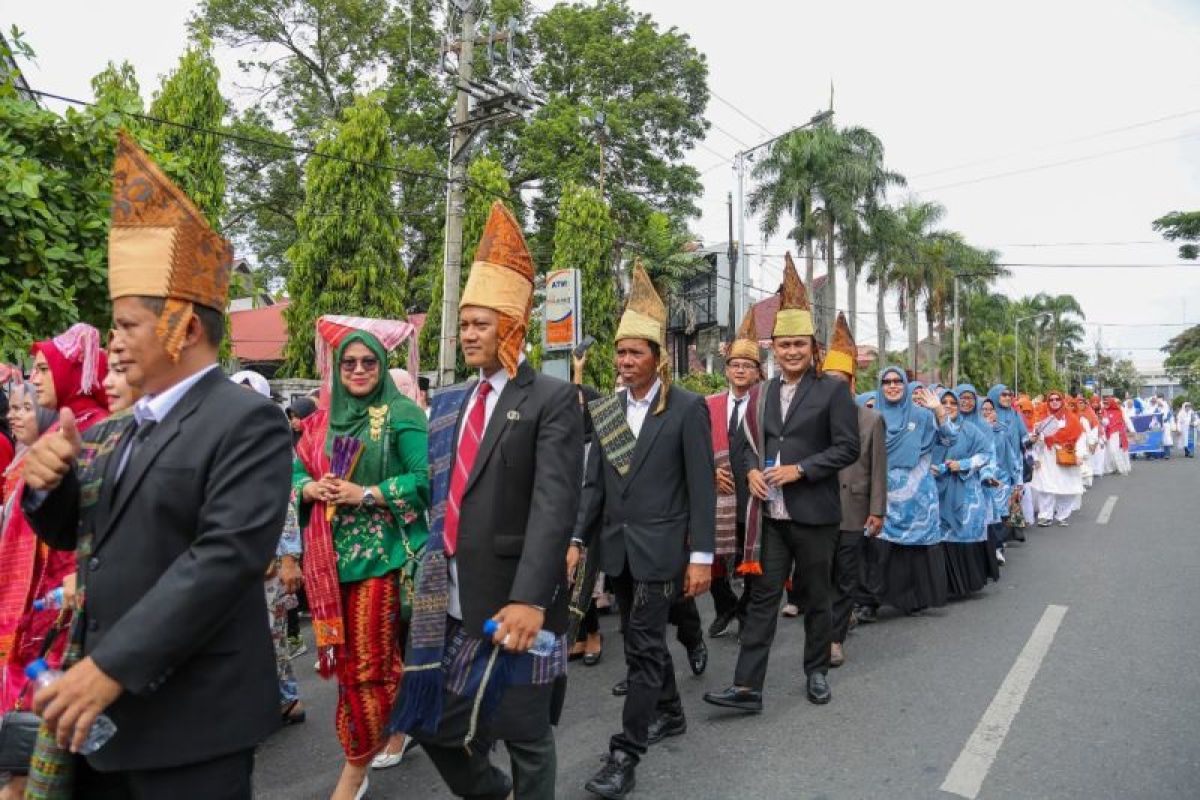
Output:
x=739 y=163
x=1017 y=343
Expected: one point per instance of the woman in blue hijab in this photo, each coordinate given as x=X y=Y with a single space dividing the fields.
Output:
x=959 y=469
x=912 y=560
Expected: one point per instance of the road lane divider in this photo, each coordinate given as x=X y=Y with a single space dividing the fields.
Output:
x=1106 y=510
x=979 y=753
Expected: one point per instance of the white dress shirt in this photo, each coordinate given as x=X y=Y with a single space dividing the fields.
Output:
x=635 y=416
x=154 y=408
x=498 y=380
x=732 y=401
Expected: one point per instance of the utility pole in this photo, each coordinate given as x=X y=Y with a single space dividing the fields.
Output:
x=495 y=103
x=954 y=367
x=456 y=202
x=733 y=286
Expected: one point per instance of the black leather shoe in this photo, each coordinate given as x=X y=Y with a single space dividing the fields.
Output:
x=620 y=688
x=742 y=699
x=665 y=725
x=722 y=624
x=866 y=615
x=818 y=689
x=616 y=779
x=698 y=658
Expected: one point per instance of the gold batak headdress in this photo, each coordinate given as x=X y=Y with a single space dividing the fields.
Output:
x=502 y=279
x=842 y=355
x=794 y=317
x=160 y=245
x=645 y=317
x=746 y=344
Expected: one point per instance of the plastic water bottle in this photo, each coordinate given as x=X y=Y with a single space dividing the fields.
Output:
x=53 y=600
x=774 y=493
x=543 y=643
x=102 y=729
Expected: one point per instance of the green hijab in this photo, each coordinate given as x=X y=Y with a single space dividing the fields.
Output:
x=367 y=419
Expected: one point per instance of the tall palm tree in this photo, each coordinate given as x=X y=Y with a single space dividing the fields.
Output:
x=917 y=244
x=857 y=191
x=1060 y=307
x=884 y=236
x=790 y=177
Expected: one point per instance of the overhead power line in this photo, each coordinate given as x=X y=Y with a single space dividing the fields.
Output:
x=1062 y=163
x=743 y=114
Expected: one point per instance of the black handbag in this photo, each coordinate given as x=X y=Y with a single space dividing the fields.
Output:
x=19 y=729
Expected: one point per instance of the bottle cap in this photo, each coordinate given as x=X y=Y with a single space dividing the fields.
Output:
x=35 y=668
x=490 y=627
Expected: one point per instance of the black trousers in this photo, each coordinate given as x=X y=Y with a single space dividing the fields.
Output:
x=685 y=616
x=469 y=773
x=851 y=580
x=812 y=548
x=222 y=778
x=726 y=600
x=645 y=610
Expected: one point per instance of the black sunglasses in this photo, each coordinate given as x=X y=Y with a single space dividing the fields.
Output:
x=369 y=363
x=891 y=381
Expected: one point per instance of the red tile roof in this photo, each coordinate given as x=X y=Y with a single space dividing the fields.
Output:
x=260 y=334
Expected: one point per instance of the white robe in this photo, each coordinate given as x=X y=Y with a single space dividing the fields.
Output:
x=1050 y=478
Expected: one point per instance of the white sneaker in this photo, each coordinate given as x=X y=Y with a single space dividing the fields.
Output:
x=1062 y=523
x=1000 y=555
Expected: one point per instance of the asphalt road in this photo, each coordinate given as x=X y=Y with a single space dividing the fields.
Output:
x=1113 y=711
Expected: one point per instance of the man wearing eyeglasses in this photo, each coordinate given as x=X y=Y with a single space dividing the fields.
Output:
x=726 y=411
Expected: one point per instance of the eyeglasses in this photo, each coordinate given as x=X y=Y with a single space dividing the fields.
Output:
x=1006 y=394
x=892 y=382
x=741 y=365
x=368 y=363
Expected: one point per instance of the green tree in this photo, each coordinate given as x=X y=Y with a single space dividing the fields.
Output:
x=346 y=264
x=650 y=85
x=583 y=240
x=1181 y=226
x=55 y=192
x=190 y=96
x=309 y=59
x=1183 y=358
x=1062 y=328
x=915 y=248
x=486 y=183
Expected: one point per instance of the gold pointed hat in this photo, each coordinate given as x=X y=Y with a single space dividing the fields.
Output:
x=160 y=245
x=842 y=355
x=645 y=314
x=746 y=344
x=502 y=279
x=794 y=317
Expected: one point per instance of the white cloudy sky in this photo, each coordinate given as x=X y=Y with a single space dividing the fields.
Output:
x=960 y=93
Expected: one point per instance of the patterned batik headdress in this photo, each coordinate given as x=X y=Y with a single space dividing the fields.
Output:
x=842 y=354
x=794 y=317
x=160 y=245
x=502 y=279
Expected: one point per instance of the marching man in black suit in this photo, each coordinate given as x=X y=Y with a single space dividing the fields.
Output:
x=175 y=511
x=506 y=452
x=650 y=484
x=802 y=430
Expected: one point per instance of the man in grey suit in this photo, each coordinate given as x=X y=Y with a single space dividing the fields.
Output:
x=175 y=511
x=864 y=497
x=650 y=484
x=803 y=429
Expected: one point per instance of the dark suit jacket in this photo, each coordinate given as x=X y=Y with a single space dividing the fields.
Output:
x=520 y=502
x=665 y=506
x=864 y=483
x=820 y=433
x=175 y=606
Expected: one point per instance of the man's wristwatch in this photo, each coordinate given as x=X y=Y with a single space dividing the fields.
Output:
x=799 y=472
x=368 y=500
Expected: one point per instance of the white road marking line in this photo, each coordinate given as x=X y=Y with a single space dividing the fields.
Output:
x=1106 y=510
x=971 y=767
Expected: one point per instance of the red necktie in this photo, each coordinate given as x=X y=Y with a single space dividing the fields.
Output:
x=468 y=448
